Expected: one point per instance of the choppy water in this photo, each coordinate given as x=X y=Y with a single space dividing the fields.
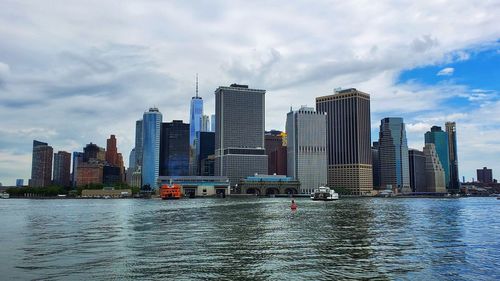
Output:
x=250 y=239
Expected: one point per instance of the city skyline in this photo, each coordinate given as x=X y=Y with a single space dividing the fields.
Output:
x=68 y=86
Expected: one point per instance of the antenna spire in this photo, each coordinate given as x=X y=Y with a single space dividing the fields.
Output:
x=196 y=84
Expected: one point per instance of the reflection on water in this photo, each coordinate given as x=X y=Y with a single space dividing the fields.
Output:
x=250 y=239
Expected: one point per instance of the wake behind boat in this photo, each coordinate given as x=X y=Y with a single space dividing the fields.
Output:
x=324 y=193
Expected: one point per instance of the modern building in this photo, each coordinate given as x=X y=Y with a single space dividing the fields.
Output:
x=434 y=172
x=205 y=146
x=138 y=143
x=348 y=141
x=485 y=175
x=276 y=151
x=174 y=149
x=41 y=165
x=19 y=182
x=306 y=148
x=198 y=186
x=151 y=135
x=195 y=125
x=207 y=166
x=132 y=159
x=111 y=175
x=205 y=123
x=62 y=168
x=269 y=185
x=451 y=130
x=393 y=155
x=417 y=170
x=212 y=123
x=239 y=132
x=440 y=140
x=77 y=160
x=375 y=165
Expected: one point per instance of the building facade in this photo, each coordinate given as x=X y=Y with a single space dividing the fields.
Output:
x=205 y=146
x=111 y=151
x=376 y=165
x=41 y=165
x=439 y=138
x=77 y=160
x=434 y=172
x=138 y=143
x=393 y=155
x=62 y=168
x=174 y=149
x=151 y=134
x=239 y=132
x=269 y=185
x=484 y=175
x=306 y=148
x=451 y=130
x=417 y=170
x=276 y=151
x=348 y=141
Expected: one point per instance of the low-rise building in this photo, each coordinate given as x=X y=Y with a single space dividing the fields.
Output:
x=268 y=185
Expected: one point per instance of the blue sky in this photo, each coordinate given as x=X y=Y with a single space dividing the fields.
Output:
x=74 y=73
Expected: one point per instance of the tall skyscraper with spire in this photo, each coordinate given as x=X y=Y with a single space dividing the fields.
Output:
x=195 y=124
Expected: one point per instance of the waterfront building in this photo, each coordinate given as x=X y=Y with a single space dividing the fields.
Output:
x=138 y=143
x=174 y=149
x=376 y=165
x=207 y=166
x=62 y=168
x=199 y=186
x=393 y=155
x=111 y=151
x=212 y=123
x=440 y=140
x=306 y=150
x=269 y=185
x=77 y=160
x=348 y=141
x=485 y=175
x=239 y=132
x=151 y=134
x=205 y=146
x=19 y=182
x=276 y=151
x=434 y=172
x=451 y=130
x=417 y=170
x=41 y=165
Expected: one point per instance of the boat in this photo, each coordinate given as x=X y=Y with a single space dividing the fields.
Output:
x=172 y=191
x=324 y=193
x=4 y=195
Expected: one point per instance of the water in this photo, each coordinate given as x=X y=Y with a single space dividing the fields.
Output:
x=250 y=239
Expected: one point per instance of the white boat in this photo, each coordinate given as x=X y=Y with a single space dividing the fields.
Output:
x=4 y=195
x=324 y=193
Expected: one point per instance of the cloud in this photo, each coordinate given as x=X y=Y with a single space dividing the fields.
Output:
x=448 y=71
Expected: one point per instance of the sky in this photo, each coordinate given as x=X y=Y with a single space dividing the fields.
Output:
x=74 y=72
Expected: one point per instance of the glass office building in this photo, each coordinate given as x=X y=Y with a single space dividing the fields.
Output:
x=151 y=133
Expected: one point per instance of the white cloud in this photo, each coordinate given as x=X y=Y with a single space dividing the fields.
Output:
x=448 y=71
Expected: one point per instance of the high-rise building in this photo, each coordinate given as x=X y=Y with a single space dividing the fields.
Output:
x=212 y=123
x=376 y=165
x=111 y=151
x=417 y=170
x=434 y=172
x=306 y=148
x=151 y=134
x=90 y=172
x=132 y=163
x=205 y=123
x=195 y=125
x=485 y=175
x=393 y=153
x=92 y=152
x=205 y=146
x=451 y=130
x=62 y=167
x=77 y=160
x=348 y=140
x=41 y=165
x=440 y=140
x=239 y=132
x=138 y=143
x=19 y=182
x=174 y=149
x=276 y=152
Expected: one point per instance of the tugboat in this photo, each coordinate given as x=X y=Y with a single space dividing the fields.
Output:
x=170 y=191
x=324 y=193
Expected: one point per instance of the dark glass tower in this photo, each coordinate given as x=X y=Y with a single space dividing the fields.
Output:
x=174 y=149
x=348 y=141
x=417 y=170
x=205 y=147
x=239 y=132
x=451 y=130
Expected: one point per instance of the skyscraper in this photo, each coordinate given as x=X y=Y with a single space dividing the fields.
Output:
x=174 y=149
x=77 y=160
x=348 y=140
x=417 y=170
x=440 y=141
x=276 y=151
x=376 y=165
x=195 y=125
x=393 y=153
x=41 y=165
x=138 y=143
x=131 y=159
x=306 y=148
x=451 y=130
x=62 y=166
x=205 y=147
x=212 y=123
x=239 y=132
x=434 y=172
x=205 y=123
x=151 y=133
x=111 y=151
